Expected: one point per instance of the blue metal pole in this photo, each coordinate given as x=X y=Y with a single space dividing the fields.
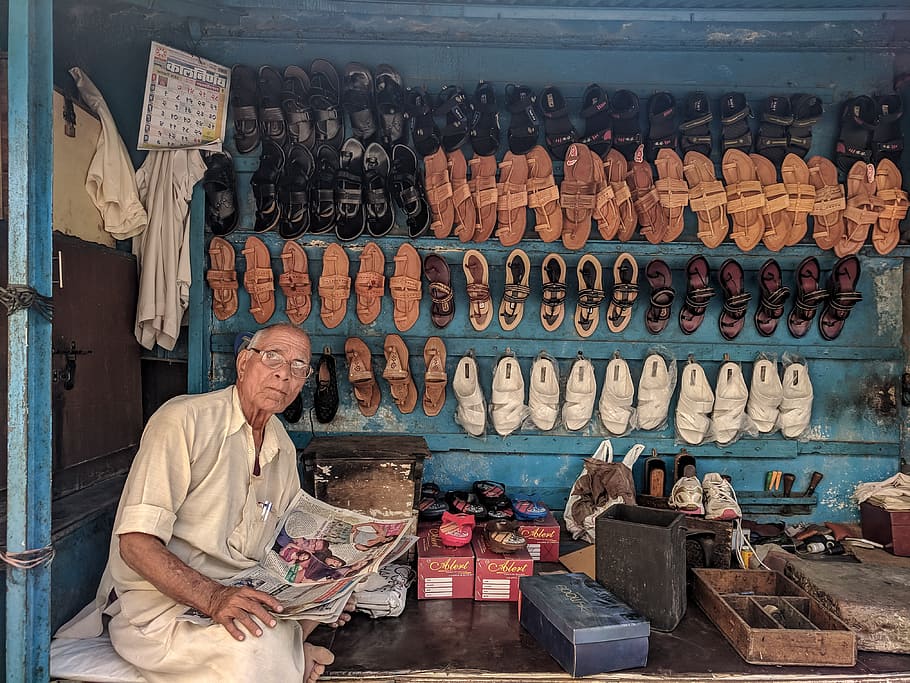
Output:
x=29 y=392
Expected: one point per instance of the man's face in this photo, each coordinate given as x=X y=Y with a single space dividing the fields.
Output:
x=271 y=389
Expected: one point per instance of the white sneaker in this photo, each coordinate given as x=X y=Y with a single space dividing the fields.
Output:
x=581 y=388
x=471 y=412
x=654 y=392
x=687 y=496
x=720 y=498
x=616 y=397
x=796 y=402
x=730 y=396
x=543 y=394
x=507 y=408
x=765 y=394
x=696 y=401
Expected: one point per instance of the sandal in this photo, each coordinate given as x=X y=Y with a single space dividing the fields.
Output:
x=456 y=530
x=435 y=378
x=484 y=120
x=808 y=297
x=477 y=274
x=454 y=106
x=295 y=283
x=698 y=293
x=220 y=186
x=598 y=125
x=773 y=139
x=406 y=287
x=258 y=280
x=295 y=105
x=380 y=214
x=672 y=190
x=529 y=511
x=512 y=199
x=516 y=289
x=660 y=279
x=626 y=127
x=439 y=192
x=390 y=106
x=419 y=111
x=886 y=232
x=543 y=195
x=361 y=377
x=775 y=217
x=887 y=140
x=553 y=295
x=265 y=186
x=334 y=286
x=605 y=211
x=483 y=192
x=707 y=198
x=465 y=503
x=352 y=218
x=774 y=295
x=651 y=218
x=695 y=130
x=524 y=123
x=577 y=196
x=795 y=174
x=398 y=374
x=662 y=129
x=745 y=199
x=294 y=192
x=828 y=210
x=244 y=99
x=616 y=169
x=442 y=308
x=357 y=100
x=271 y=117
x=734 y=118
x=490 y=493
x=655 y=475
x=325 y=397
x=407 y=190
x=325 y=101
x=862 y=211
x=465 y=213
x=323 y=189
x=503 y=537
x=736 y=299
x=854 y=141
x=369 y=285
x=560 y=133
x=625 y=292
x=590 y=295
x=842 y=297
x=807 y=111
x=222 y=278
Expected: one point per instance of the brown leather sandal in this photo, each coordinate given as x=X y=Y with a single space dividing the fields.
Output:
x=543 y=195
x=477 y=274
x=795 y=174
x=553 y=294
x=652 y=219
x=465 y=213
x=616 y=170
x=512 y=202
x=830 y=203
x=774 y=214
x=435 y=379
x=886 y=232
x=483 y=192
x=295 y=283
x=334 y=286
x=222 y=278
x=398 y=374
x=590 y=295
x=606 y=212
x=707 y=198
x=516 y=289
x=258 y=280
x=625 y=291
x=862 y=210
x=672 y=190
x=360 y=375
x=405 y=287
x=369 y=285
x=439 y=276
x=577 y=196
x=745 y=199
x=439 y=193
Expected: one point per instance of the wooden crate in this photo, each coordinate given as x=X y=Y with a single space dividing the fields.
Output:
x=768 y=619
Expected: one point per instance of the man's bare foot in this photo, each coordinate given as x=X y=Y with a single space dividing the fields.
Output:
x=345 y=615
x=316 y=659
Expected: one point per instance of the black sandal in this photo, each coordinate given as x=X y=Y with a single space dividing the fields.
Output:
x=390 y=106
x=220 y=186
x=380 y=212
x=560 y=133
x=598 y=124
x=407 y=190
x=295 y=103
x=294 y=192
x=453 y=104
x=734 y=118
x=809 y=296
x=695 y=130
x=484 y=126
x=698 y=293
x=854 y=142
x=887 y=139
x=265 y=186
x=244 y=100
x=524 y=124
x=774 y=294
x=424 y=130
x=776 y=119
x=325 y=100
x=662 y=129
x=357 y=100
x=660 y=278
x=843 y=297
x=323 y=189
x=349 y=191
x=807 y=111
x=626 y=126
x=271 y=117
x=736 y=299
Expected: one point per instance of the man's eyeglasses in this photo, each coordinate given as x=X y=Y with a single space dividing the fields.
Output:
x=273 y=359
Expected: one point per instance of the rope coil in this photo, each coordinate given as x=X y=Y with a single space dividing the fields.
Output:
x=20 y=297
x=29 y=559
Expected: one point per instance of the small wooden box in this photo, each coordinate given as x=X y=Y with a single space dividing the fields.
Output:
x=768 y=619
x=889 y=527
x=713 y=537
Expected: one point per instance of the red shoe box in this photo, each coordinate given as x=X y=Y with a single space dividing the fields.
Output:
x=496 y=576
x=542 y=537
x=442 y=572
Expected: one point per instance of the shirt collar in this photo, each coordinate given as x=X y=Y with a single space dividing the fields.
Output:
x=270 y=444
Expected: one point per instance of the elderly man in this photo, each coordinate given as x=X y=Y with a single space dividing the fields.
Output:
x=213 y=474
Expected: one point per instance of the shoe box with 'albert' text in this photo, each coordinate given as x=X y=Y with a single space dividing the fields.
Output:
x=443 y=572
x=542 y=537
x=496 y=574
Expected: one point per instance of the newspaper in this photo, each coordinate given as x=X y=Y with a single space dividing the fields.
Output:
x=318 y=555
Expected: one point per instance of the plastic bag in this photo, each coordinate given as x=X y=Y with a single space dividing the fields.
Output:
x=615 y=409
x=655 y=389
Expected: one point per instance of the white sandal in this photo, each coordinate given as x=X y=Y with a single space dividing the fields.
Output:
x=543 y=394
x=581 y=388
x=796 y=402
x=616 y=397
x=696 y=401
x=765 y=394
x=507 y=400
x=730 y=396
x=655 y=388
x=471 y=412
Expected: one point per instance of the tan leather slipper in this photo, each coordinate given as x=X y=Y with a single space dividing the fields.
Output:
x=672 y=190
x=435 y=379
x=830 y=203
x=862 y=209
x=369 y=285
x=465 y=213
x=406 y=287
x=776 y=220
x=652 y=219
x=543 y=195
x=258 y=280
x=617 y=169
x=439 y=193
x=553 y=294
x=590 y=295
x=745 y=199
x=334 y=286
x=795 y=174
x=360 y=375
x=516 y=289
x=707 y=198
x=512 y=202
x=222 y=278
x=625 y=292
x=606 y=212
x=477 y=273
x=483 y=192
x=398 y=374
x=577 y=196
x=886 y=232
x=295 y=283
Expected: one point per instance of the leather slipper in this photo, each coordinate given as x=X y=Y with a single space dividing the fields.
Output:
x=258 y=280
x=745 y=199
x=406 y=287
x=590 y=295
x=553 y=295
x=407 y=190
x=543 y=393
x=271 y=117
x=862 y=210
x=543 y=195
x=842 y=297
x=886 y=231
x=357 y=100
x=507 y=396
x=442 y=308
x=809 y=296
x=765 y=394
x=512 y=199
x=483 y=192
x=360 y=375
x=795 y=174
x=654 y=393
x=830 y=203
x=477 y=274
x=334 y=286
x=244 y=100
x=398 y=374
x=295 y=104
x=295 y=283
x=435 y=379
x=581 y=389
x=325 y=100
x=439 y=192
x=471 y=411
x=352 y=216
x=616 y=169
x=220 y=186
x=222 y=278
x=606 y=212
x=652 y=219
x=660 y=279
x=380 y=212
x=736 y=299
x=465 y=213
x=516 y=290
x=775 y=218
x=369 y=285
x=615 y=407
x=672 y=190
x=698 y=293
x=707 y=198
x=577 y=196
x=773 y=296
x=625 y=292
x=294 y=192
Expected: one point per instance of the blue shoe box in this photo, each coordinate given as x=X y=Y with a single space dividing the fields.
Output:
x=582 y=625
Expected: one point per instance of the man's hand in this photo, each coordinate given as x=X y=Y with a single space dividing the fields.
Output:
x=232 y=605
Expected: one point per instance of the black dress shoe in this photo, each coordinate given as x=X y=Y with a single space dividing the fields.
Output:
x=325 y=401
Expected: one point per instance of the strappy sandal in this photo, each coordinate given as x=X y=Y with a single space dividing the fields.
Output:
x=435 y=378
x=842 y=297
x=598 y=124
x=887 y=139
x=625 y=292
x=605 y=211
x=695 y=130
x=590 y=295
x=369 y=285
x=774 y=295
x=295 y=283
x=543 y=195
x=745 y=199
x=442 y=308
x=465 y=213
x=512 y=199
x=295 y=105
x=734 y=119
x=516 y=290
x=357 y=100
x=830 y=203
x=222 y=278
x=807 y=111
x=707 y=198
x=405 y=287
x=294 y=192
x=560 y=133
x=334 y=286
x=477 y=274
x=220 y=186
x=698 y=293
x=360 y=375
x=736 y=299
x=854 y=141
x=258 y=280
x=662 y=129
x=626 y=127
x=862 y=211
x=484 y=125
x=775 y=218
x=419 y=112
x=524 y=123
x=390 y=106
x=323 y=190
x=809 y=296
x=265 y=186
x=672 y=190
x=886 y=232
x=776 y=118
x=660 y=279
x=577 y=196
x=244 y=100
x=616 y=170
x=352 y=217
x=439 y=193
x=271 y=117
x=652 y=220
x=553 y=294
x=380 y=214
x=398 y=374
x=407 y=190
x=453 y=106
x=483 y=192
x=325 y=101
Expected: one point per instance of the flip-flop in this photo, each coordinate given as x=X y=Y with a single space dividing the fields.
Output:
x=325 y=100
x=515 y=290
x=258 y=280
x=361 y=377
x=465 y=213
x=512 y=199
x=795 y=174
x=507 y=408
x=695 y=404
x=652 y=219
x=672 y=190
x=543 y=195
x=590 y=295
x=222 y=278
x=543 y=393
x=471 y=410
x=477 y=275
x=830 y=203
x=624 y=293
x=435 y=378
x=244 y=103
x=581 y=389
x=369 y=285
x=615 y=407
x=271 y=117
x=439 y=192
x=745 y=199
x=577 y=196
x=405 y=287
x=862 y=211
x=660 y=279
x=380 y=213
x=398 y=374
x=707 y=198
x=439 y=277
x=553 y=294
x=334 y=286
x=483 y=192
x=357 y=99
x=886 y=231
x=765 y=394
x=655 y=390
x=295 y=283
x=796 y=402
x=616 y=170
x=295 y=104
x=775 y=218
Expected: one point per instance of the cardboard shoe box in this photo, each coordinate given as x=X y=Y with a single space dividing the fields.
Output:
x=443 y=572
x=582 y=625
x=542 y=537
x=496 y=574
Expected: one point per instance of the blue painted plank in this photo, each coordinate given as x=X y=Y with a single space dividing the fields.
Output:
x=199 y=352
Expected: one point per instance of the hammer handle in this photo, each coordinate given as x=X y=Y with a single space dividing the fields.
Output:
x=814 y=481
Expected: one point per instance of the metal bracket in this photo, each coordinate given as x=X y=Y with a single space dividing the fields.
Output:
x=68 y=375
